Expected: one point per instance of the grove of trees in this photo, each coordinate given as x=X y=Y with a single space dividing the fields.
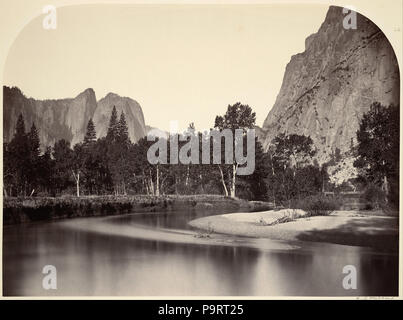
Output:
x=115 y=165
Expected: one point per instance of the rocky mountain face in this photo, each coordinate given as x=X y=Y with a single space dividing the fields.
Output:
x=68 y=118
x=132 y=110
x=155 y=132
x=327 y=88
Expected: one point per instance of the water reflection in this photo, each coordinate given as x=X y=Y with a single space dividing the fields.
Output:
x=99 y=264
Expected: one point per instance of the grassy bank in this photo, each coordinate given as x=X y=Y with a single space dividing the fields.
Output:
x=21 y=210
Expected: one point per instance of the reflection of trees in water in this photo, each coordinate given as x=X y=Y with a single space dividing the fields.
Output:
x=101 y=264
x=285 y=273
x=375 y=232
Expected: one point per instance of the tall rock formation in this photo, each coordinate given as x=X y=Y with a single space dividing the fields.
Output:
x=132 y=110
x=68 y=118
x=327 y=88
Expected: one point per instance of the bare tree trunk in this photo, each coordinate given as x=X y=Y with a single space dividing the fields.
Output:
x=234 y=168
x=223 y=181
x=145 y=183
x=151 y=184
x=77 y=178
x=157 y=190
x=146 y=186
x=78 y=184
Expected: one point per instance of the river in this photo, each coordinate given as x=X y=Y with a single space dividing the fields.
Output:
x=158 y=254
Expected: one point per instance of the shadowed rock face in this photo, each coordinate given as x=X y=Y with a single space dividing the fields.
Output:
x=132 y=110
x=327 y=88
x=68 y=118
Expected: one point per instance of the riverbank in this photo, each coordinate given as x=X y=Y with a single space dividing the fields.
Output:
x=354 y=228
x=22 y=210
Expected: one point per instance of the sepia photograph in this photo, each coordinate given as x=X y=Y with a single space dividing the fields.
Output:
x=201 y=150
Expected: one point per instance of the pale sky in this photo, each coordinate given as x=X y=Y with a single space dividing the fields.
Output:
x=180 y=62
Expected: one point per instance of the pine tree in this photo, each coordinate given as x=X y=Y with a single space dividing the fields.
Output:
x=118 y=153
x=113 y=126
x=33 y=139
x=33 y=166
x=20 y=128
x=19 y=157
x=91 y=134
x=123 y=131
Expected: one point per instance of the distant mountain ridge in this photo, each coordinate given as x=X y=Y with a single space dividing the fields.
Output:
x=68 y=118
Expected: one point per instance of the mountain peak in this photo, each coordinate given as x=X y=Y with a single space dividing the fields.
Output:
x=112 y=95
x=327 y=89
x=115 y=96
x=68 y=118
x=87 y=92
x=131 y=109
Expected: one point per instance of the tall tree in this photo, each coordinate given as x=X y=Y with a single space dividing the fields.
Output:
x=292 y=173
x=293 y=150
x=122 y=130
x=8 y=171
x=113 y=126
x=90 y=159
x=118 y=152
x=238 y=116
x=378 y=147
x=255 y=184
x=18 y=153
x=91 y=134
x=78 y=166
x=45 y=169
x=63 y=157
x=34 y=142
x=33 y=173
x=20 y=128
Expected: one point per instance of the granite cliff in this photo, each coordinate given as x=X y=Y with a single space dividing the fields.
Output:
x=327 y=88
x=68 y=118
x=132 y=110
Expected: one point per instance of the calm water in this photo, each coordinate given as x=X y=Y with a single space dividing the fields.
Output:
x=130 y=255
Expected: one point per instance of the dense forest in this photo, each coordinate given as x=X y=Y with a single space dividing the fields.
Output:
x=114 y=165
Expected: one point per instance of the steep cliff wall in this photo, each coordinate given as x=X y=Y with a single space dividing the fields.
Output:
x=132 y=110
x=68 y=118
x=327 y=88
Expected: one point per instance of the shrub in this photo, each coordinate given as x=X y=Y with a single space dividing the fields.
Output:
x=374 y=197
x=318 y=205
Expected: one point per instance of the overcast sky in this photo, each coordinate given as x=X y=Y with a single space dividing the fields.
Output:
x=184 y=63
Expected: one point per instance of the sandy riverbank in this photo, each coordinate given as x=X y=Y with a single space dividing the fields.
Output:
x=356 y=228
